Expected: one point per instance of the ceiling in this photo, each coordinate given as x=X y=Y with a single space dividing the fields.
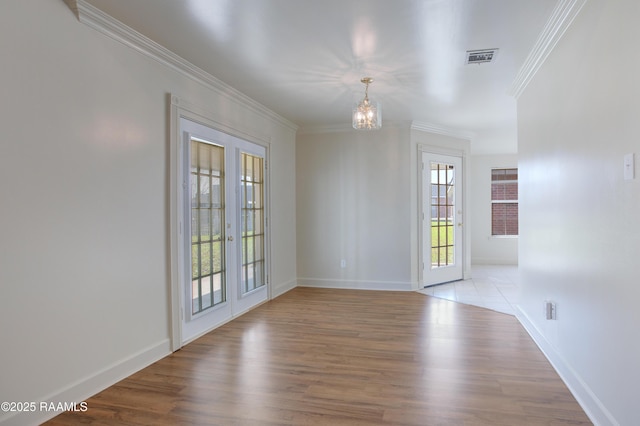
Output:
x=304 y=59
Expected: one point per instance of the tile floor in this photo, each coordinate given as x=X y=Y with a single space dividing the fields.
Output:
x=491 y=287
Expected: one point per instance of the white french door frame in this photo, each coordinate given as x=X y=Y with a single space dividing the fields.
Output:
x=421 y=213
x=181 y=109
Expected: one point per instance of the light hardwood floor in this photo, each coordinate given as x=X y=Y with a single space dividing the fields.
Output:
x=347 y=357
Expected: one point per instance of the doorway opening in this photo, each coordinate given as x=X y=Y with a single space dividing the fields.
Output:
x=222 y=251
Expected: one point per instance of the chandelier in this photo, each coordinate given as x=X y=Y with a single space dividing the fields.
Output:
x=367 y=114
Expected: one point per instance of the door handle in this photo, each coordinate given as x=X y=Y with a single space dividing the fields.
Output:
x=230 y=238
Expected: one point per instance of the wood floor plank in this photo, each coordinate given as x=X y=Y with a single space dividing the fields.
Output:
x=347 y=357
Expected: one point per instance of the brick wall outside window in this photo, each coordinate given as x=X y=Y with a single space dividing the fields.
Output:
x=504 y=202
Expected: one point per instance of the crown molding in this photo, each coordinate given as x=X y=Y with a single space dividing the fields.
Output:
x=333 y=128
x=561 y=18
x=412 y=125
x=100 y=21
x=343 y=127
x=73 y=5
x=442 y=130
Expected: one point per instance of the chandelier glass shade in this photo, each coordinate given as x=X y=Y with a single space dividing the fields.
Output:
x=367 y=114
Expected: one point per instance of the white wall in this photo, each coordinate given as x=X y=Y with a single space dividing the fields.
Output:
x=579 y=220
x=353 y=198
x=357 y=201
x=84 y=186
x=485 y=249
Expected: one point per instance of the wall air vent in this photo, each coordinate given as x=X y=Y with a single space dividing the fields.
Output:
x=481 y=56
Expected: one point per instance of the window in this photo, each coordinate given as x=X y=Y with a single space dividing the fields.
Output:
x=504 y=202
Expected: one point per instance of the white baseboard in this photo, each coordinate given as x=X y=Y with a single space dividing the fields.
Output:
x=493 y=261
x=91 y=385
x=592 y=406
x=282 y=288
x=356 y=284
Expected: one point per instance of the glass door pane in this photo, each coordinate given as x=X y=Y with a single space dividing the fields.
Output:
x=252 y=273
x=442 y=214
x=207 y=231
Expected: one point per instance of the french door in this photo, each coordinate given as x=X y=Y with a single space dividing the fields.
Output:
x=441 y=218
x=224 y=234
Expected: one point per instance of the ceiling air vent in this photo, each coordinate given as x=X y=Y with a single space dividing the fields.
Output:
x=481 y=56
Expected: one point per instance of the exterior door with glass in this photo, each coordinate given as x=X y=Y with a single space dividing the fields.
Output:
x=441 y=218
x=223 y=251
